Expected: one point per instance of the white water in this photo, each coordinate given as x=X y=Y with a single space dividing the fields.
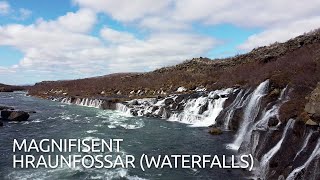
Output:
x=255 y=139
x=123 y=108
x=250 y=113
x=264 y=162
x=191 y=112
x=233 y=106
x=315 y=153
x=96 y=103
x=305 y=143
x=262 y=124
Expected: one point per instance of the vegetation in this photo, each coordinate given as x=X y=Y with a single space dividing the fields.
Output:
x=295 y=63
x=9 y=88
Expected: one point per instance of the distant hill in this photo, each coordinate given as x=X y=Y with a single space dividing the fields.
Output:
x=10 y=88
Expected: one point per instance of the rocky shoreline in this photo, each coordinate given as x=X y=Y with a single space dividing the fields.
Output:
x=269 y=98
x=251 y=112
x=10 y=114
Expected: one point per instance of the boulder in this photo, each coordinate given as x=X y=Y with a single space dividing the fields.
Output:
x=215 y=96
x=273 y=122
x=5 y=114
x=18 y=116
x=203 y=108
x=215 y=131
x=313 y=105
x=168 y=101
x=311 y=123
x=15 y=115
x=134 y=112
x=133 y=102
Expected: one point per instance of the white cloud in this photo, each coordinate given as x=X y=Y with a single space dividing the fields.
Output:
x=81 y=21
x=4 y=7
x=163 y=24
x=117 y=37
x=19 y=14
x=126 y=10
x=65 y=50
x=23 y=14
x=280 y=33
x=250 y=13
x=274 y=17
x=64 y=47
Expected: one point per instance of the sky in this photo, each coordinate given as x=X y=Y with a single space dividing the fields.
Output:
x=68 y=39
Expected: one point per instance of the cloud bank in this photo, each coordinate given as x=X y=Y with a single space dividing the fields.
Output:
x=66 y=47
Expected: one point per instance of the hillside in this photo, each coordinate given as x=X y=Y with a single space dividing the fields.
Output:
x=294 y=63
x=10 y=88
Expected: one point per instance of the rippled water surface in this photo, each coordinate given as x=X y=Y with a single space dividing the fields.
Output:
x=55 y=120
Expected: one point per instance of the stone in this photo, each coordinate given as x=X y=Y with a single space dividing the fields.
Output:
x=18 y=116
x=313 y=105
x=273 y=122
x=215 y=131
x=15 y=115
x=311 y=123
x=203 y=108
x=133 y=102
x=5 y=114
x=168 y=101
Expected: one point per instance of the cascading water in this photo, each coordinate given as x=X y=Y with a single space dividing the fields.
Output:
x=315 y=153
x=305 y=143
x=123 y=108
x=192 y=114
x=264 y=162
x=202 y=109
x=237 y=103
x=262 y=124
x=96 y=103
x=67 y=100
x=250 y=113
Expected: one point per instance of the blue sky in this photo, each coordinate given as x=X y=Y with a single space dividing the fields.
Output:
x=46 y=40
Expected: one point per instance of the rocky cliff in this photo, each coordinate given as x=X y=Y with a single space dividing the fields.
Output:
x=269 y=98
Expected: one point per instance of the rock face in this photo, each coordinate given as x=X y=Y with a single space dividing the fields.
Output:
x=15 y=115
x=313 y=106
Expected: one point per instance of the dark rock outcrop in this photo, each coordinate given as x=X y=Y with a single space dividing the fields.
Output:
x=15 y=115
x=215 y=131
x=313 y=106
x=6 y=108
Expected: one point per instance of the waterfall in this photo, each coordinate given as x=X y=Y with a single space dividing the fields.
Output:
x=66 y=100
x=315 y=153
x=262 y=124
x=305 y=143
x=192 y=113
x=255 y=143
x=264 y=162
x=250 y=113
x=96 y=103
x=233 y=106
x=123 y=108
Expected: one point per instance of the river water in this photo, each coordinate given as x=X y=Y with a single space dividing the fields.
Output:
x=150 y=136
